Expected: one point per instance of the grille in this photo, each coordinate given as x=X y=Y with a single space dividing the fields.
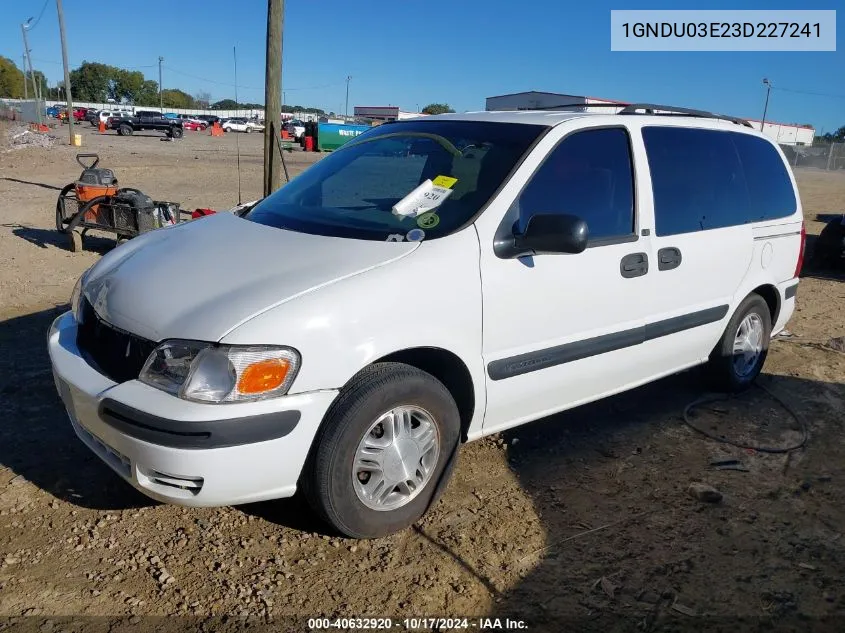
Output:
x=116 y=354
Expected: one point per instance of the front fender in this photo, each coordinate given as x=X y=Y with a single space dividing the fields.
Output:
x=430 y=298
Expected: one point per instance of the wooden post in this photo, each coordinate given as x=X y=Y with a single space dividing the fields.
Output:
x=67 y=71
x=273 y=95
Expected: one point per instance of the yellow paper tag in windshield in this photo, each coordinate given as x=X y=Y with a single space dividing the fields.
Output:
x=444 y=181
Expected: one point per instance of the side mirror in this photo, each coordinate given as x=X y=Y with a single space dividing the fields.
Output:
x=548 y=233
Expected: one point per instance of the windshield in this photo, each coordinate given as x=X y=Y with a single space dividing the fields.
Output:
x=356 y=191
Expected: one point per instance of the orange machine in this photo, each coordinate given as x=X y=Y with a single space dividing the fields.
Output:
x=93 y=182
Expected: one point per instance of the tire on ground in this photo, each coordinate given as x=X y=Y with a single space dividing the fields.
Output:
x=327 y=479
x=64 y=193
x=723 y=364
x=125 y=129
x=176 y=132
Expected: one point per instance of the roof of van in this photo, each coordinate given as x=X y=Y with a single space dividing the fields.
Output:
x=556 y=117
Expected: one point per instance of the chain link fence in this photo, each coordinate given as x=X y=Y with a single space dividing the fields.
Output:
x=821 y=155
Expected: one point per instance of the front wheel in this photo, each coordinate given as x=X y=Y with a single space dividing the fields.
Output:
x=739 y=356
x=176 y=132
x=125 y=130
x=384 y=451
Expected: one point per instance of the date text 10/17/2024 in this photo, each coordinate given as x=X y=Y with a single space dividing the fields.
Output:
x=417 y=624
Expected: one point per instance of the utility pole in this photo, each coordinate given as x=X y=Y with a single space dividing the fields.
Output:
x=31 y=73
x=273 y=95
x=160 y=98
x=768 y=85
x=25 y=89
x=346 y=111
x=67 y=71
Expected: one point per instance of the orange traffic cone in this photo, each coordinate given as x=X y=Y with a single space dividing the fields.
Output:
x=102 y=127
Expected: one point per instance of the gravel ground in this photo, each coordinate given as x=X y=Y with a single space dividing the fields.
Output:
x=581 y=521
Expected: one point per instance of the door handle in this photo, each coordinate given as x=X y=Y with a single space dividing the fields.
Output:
x=634 y=265
x=668 y=258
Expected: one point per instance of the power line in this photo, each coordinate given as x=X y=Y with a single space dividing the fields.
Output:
x=231 y=85
x=809 y=92
x=43 y=7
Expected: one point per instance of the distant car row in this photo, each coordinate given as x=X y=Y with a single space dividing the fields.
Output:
x=121 y=119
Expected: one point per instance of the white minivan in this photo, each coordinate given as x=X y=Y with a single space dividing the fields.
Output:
x=431 y=282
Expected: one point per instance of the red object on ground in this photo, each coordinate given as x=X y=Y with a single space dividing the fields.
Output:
x=199 y=213
x=193 y=125
x=309 y=143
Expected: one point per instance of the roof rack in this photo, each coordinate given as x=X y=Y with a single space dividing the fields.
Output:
x=648 y=108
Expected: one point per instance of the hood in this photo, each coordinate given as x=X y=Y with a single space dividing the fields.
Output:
x=201 y=279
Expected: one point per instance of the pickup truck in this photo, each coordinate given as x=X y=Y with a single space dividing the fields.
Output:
x=146 y=120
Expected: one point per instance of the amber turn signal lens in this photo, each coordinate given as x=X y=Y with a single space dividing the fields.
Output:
x=265 y=375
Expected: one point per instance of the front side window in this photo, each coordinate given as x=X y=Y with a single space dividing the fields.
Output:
x=352 y=192
x=589 y=174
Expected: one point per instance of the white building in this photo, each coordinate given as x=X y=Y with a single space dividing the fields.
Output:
x=783 y=133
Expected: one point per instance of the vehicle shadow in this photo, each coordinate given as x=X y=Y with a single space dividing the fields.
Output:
x=43 y=185
x=37 y=441
x=627 y=547
x=45 y=238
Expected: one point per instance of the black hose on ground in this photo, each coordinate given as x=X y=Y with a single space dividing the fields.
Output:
x=710 y=398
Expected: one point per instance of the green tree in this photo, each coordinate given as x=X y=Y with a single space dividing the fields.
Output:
x=11 y=79
x=225 y=104
x=174 y=98
x=40 y=79
x=92 y=81
x=437 y=108
x=839 y=135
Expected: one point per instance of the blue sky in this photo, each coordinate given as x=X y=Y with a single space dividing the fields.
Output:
x=413 y=53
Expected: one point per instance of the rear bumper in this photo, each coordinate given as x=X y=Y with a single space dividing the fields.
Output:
x=183 y=452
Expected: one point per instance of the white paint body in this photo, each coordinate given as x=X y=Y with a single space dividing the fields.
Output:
x=237 y=126
x=341 y=303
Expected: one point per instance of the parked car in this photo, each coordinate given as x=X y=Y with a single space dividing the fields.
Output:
x=209 y=119
x=53 y=111
x=171 y=115
x=106 y=115
x=242 y=125
x=295 y=128
x=92 y=116
x=582 y=254
x=146 y=120
x=190 y=124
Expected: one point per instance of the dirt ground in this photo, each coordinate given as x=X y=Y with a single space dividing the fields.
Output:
x=581 y=521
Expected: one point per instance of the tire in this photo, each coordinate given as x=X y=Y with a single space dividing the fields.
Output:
x=332 y=485
x=66 y=192
x=728 y=370
x=176 y=132
x=125 y=130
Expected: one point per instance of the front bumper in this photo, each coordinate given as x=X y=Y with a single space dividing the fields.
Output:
x=184 y=452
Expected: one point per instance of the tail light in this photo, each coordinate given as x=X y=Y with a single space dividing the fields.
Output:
x=803 y=246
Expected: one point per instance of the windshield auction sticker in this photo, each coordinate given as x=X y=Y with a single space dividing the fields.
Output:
x=723 y=30
x=425 y=197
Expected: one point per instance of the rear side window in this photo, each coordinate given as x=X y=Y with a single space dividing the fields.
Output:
x=709 y=179
x=588 y=174
x=769 y=186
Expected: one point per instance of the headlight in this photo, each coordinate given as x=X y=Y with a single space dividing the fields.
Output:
x=203 y=372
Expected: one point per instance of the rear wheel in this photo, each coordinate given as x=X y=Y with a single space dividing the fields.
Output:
x=384 y=451
x=176 y=132
x=738 y=358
